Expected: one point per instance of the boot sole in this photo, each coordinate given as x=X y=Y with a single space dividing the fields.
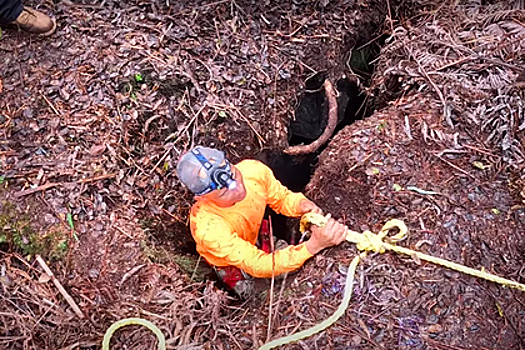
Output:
x=50 y=31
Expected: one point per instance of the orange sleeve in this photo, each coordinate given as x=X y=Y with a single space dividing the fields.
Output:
x=280 y=198
x=221 y=247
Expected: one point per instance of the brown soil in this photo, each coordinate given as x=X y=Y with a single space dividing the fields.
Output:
x=97 y=114
x=93 y=119
x=473 y=220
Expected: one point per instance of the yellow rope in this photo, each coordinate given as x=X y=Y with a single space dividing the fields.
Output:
x=133 y=321
x=368 y=241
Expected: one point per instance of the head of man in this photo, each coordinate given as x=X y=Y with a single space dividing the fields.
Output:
x=210 y=176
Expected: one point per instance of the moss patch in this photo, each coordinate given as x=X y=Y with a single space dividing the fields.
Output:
x=17 y=234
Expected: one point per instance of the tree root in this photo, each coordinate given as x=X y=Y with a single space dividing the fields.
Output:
x=328 y=131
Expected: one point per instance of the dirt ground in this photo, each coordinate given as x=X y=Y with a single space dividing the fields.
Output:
x=472 y=218
x=93 y=119
x=454 y=181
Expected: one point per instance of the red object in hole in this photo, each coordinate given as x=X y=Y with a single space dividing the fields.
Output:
x=230 y=275
x=265 y=236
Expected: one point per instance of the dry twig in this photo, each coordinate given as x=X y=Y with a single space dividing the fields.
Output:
x=59 y=286
x=50 y=104
x=268 y=333
x=55 y=184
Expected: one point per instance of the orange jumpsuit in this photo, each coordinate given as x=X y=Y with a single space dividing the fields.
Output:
x=227 y=236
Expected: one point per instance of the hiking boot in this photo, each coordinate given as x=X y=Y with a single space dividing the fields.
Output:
x=35 y=22
x=244 y=289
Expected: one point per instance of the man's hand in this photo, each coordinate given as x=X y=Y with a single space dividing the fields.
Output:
x=333 y=233
x=307 y=206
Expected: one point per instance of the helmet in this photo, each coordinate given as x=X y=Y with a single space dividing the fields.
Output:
x=204 y=169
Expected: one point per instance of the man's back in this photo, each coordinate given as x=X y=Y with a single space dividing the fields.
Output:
x=243 y=218
x=229 y=208
x=218 y=231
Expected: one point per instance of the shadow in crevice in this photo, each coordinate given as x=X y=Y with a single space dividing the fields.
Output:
x=311 y=113
x=311 y=116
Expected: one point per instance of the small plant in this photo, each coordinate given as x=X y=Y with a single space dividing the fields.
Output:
x=382 y=126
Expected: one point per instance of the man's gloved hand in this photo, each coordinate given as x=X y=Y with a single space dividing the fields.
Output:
x=307 y=206
x=333 y=233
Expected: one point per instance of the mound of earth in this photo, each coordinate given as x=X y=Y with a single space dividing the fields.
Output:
x=374 y=171
x=445 y=157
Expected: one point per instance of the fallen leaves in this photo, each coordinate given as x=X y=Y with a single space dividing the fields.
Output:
x=96 y=150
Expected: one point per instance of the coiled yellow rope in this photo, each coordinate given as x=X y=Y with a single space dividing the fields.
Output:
x=368 y=241
x=133 y=321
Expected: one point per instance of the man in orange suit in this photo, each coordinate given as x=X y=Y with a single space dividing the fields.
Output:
x=225 y=221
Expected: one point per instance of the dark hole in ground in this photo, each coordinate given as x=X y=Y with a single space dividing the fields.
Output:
x=311 y=113
x=295 y=172
x=311 y=116
x=312 y=109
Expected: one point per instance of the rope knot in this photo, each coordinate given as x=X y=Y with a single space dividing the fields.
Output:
x=366 y=241
x=371 y=242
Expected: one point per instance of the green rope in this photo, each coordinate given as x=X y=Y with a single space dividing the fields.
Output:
x=133 y=321
x=329 y=321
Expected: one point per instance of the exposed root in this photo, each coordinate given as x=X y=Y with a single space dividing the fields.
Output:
x=328 y=131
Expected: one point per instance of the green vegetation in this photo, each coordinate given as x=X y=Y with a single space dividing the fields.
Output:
x=17 y=233
x=168 y=244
